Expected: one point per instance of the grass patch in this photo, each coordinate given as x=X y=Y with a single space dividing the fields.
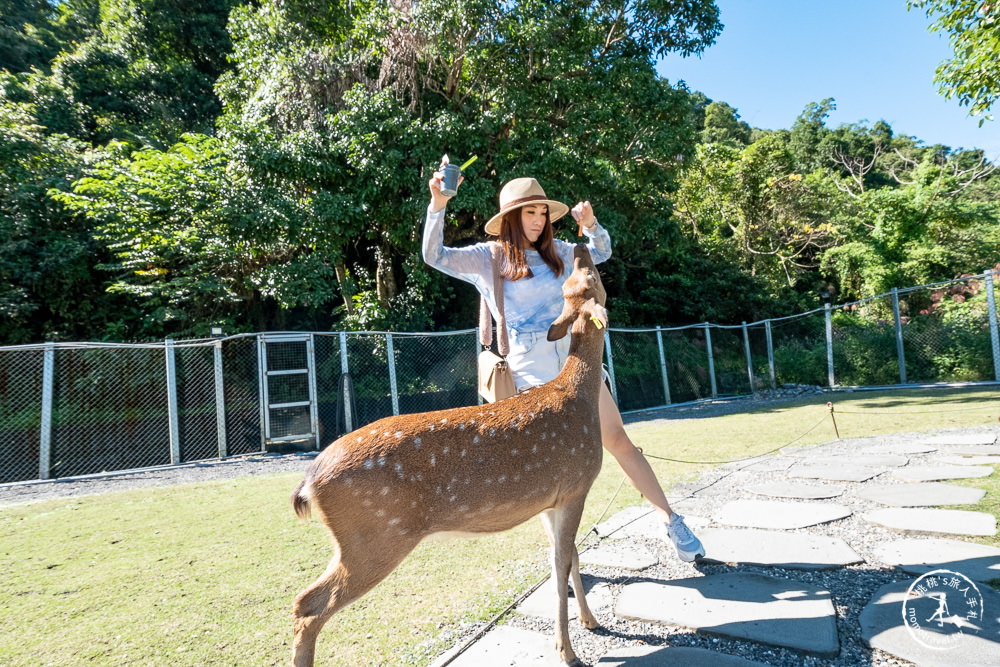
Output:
x=205 y=573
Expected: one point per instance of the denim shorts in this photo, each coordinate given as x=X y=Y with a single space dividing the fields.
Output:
x=534 y=359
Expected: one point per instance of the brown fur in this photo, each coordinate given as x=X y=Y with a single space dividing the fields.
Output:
x=383 y=488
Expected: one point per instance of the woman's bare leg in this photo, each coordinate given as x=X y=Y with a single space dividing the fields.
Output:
x=638 y=471
x=633 y=463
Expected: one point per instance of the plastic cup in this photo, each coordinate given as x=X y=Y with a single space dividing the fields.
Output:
x=449 y=183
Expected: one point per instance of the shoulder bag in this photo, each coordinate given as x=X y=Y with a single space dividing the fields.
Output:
x=496 y=380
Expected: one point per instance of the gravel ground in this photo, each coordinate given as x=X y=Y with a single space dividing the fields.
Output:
x=851 y=587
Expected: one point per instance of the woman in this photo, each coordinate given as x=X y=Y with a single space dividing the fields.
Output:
x=534 y=268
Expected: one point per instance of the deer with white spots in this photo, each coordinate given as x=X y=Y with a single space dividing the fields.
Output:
x=385 y=487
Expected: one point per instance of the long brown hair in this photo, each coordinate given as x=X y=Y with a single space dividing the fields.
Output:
x=512 y=240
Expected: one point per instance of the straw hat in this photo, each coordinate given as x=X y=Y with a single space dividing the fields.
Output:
x=523 y=192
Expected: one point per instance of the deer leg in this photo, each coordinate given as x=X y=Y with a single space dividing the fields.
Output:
x=350 y=574
x=587 y=618
x=561 y=524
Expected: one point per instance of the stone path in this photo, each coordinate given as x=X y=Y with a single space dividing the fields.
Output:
x=814 y=556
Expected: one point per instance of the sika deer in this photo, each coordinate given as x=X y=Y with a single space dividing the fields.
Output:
x=383 y=488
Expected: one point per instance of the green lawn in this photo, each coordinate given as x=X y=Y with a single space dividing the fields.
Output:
x=205 y=573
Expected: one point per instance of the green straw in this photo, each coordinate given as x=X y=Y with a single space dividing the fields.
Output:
x=468 y=162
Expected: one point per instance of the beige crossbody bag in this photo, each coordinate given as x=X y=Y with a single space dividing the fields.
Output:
x=496 y=380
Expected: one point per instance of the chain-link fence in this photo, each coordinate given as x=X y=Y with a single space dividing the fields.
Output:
x=78 y=409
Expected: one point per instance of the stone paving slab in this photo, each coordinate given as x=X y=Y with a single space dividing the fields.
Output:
x=779 y=514
x=507 y=647
x=957 y=460
x=765 y=609
x=625 y=554
x=932 y=473
x=906 y=448
x=801 y=490
x=766 y=464
x=672 y=656
x=971 y=450
x=797 y=551
x=542 y=603
x=884 y=460
x=809 y=451
x=882 y=627
x=922 y=494
x=958 y=439
x=920 y=520
x=916 y=556
x=844 y=472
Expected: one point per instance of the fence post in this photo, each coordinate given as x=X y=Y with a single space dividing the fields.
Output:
x=711 y=360
x=611 y=364
x=900 y=356
x=45 y=436
x=344 y=370
x=475 y=359
x=746 y=345
x=393 y=390
x=262 y=390
x=220 y=402
x=172 y=422
x=770 y=353
x=829 y=343
x=663 y=366
x=313 y=394
x=994 y=334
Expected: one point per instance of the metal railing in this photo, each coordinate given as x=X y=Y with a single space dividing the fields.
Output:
x=70 y=409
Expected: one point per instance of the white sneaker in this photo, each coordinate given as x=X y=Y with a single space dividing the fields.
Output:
x=687 y=545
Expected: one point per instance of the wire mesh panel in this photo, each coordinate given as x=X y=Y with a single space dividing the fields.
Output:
x=241 y=389
x=197 y=424
x=799 y=346
x=638 y=376
x=109 y=410
x=730 y=359
x=946 y=335
x=368 y=361
x=757 y=335
x=328 y=372
x=864 y=344
x=687 y=364
x=435 y=372
x=20 y=413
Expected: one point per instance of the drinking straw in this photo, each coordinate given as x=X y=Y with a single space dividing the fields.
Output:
x=468 y=162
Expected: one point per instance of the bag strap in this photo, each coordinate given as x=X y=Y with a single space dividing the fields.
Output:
x=485 y=317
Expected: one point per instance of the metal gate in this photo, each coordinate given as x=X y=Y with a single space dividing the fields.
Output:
x=287 y=365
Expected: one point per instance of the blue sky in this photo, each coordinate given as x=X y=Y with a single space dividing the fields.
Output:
x=875 y=58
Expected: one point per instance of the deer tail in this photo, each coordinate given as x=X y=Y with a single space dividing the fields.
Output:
x=301 y=498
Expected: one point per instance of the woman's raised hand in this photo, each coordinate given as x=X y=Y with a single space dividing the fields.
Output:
x=438 y=200
x=583 y=213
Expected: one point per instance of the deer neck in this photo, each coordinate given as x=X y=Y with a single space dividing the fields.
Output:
x=583 y=364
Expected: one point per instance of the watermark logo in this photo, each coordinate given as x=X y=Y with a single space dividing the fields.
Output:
x=941 y=607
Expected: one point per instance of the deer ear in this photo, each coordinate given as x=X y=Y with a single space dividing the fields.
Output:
x=591 y=311
x=559 y=328
x=596 y=312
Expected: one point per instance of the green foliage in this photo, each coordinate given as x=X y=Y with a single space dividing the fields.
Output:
x=751 y=208
x=723 y=124
x=973 y=75
x=48 y=290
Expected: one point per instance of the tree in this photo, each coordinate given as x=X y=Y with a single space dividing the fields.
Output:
x=972 y=76
x=751 y=208
x=809 y=132
x=357 y=110
x=722 y=123
x=142 y=72
x=33 y=32
x=48 y=290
